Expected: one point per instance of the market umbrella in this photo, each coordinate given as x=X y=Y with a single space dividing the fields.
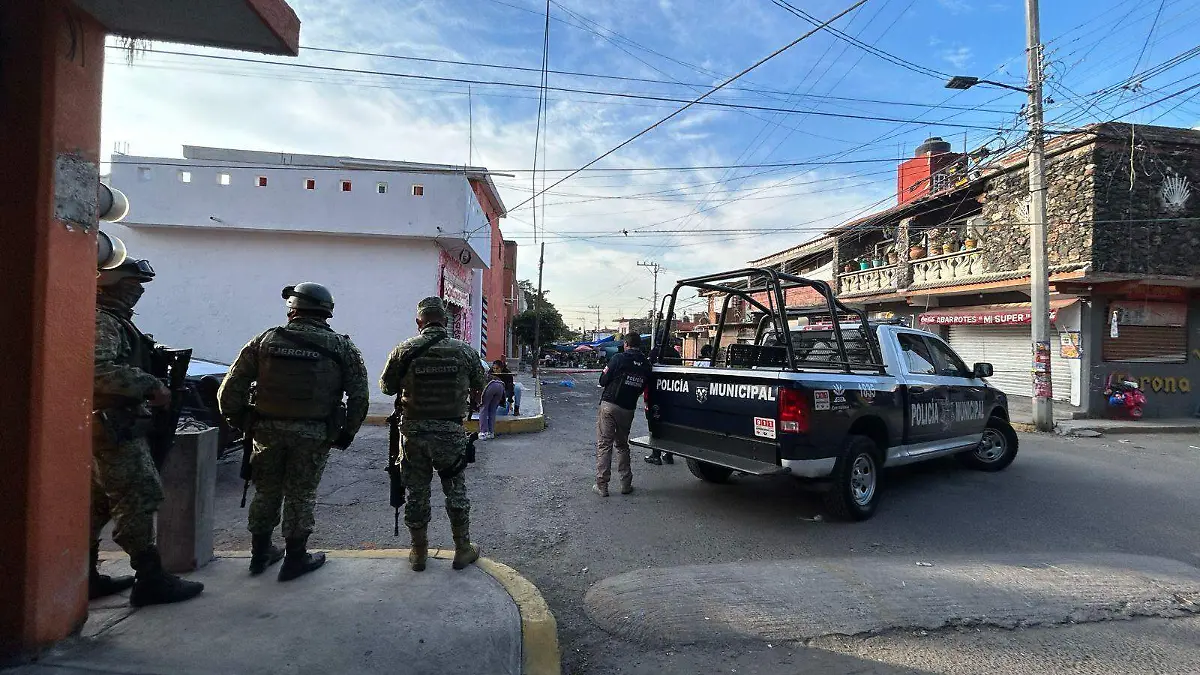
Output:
x=583 y=348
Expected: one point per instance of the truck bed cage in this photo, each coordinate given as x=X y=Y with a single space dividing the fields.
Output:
x=747 y=282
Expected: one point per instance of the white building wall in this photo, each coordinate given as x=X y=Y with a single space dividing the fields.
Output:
x=215 y=289
x=448 y=209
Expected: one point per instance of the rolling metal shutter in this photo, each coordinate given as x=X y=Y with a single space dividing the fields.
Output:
x=1147 y=344
x=1009 y=350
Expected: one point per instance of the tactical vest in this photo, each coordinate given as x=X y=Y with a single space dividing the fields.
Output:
x=294 y=380
x=141 y=356
x=437 y=386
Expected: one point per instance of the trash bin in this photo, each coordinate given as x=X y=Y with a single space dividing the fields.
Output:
x=185 y=519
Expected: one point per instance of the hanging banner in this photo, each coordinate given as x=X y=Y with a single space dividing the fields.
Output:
x=455 y=291
x=1135 y=313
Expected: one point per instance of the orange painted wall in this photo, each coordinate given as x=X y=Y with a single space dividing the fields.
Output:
x=53 y=59
x=494 y=284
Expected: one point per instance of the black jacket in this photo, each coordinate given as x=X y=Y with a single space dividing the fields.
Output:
x=625 y=378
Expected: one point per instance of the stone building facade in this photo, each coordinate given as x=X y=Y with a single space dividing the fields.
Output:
x=1123 y=245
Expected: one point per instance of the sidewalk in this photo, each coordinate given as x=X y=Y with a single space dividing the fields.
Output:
x=531 y=420
x=1072 y=421
x=363 y=612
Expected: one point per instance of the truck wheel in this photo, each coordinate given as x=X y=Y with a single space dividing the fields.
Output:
x=996 y=450
x=856 y=480
x=709 y=473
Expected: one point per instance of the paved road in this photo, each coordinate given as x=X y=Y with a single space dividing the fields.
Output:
x=533 y=509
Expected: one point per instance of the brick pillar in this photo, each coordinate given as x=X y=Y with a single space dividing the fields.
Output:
x=53 y=57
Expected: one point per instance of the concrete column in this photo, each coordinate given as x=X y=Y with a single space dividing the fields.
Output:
x=50 y=82
x=185 y=519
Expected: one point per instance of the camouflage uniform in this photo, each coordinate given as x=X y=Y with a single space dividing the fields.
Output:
x=290 y=454
x=434 y=394
x=125 y=485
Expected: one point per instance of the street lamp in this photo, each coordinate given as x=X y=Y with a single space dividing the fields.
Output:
x=1039 y=278
x=966 y=82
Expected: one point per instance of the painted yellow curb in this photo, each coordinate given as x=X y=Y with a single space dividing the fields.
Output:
x=540 y=654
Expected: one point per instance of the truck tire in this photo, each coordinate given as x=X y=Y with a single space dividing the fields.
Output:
x=856 y=481
x=995 y=451
x=709 y=473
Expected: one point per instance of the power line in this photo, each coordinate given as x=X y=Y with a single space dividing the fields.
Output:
x=523 y=85
x=870 y=49
x=715 y=89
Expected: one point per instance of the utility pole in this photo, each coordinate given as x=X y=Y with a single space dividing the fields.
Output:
x=597 y=308
x=654 y=269
x=1043 y=406
x=537 y=316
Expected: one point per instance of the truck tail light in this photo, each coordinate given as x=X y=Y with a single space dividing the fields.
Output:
x=793 y=411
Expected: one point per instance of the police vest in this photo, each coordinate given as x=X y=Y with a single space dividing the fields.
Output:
x=438 y=385
x=295 y=380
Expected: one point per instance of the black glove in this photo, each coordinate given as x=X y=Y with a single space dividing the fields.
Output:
x=343 y=440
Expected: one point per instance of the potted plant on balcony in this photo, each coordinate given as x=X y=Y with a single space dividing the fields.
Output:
x=971 y=241
x=850 y=266
x=917 y=250
x=951 y=244
x=864 y=263
x=893 y=256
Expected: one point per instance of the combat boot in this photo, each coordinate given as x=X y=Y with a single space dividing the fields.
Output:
x=263 y=554
x=153 y=586
x=298 y=561
x=420 y=548
x=465 y=552
x=102 y=585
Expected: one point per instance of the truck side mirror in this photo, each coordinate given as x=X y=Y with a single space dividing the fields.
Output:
x=982 y=370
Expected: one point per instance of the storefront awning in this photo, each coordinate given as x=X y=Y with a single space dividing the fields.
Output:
x=1015 y=314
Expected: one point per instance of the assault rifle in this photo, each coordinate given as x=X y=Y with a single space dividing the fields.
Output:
x=395 y=468
x=170 y=366
x=247 y=472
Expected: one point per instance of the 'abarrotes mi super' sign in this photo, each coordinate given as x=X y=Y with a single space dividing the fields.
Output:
x=751 y=392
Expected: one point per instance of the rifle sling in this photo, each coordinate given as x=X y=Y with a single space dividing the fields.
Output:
x=419 y=352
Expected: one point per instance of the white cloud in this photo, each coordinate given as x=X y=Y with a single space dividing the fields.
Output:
x=956 y=6
x=959 y=57
x=166 y=102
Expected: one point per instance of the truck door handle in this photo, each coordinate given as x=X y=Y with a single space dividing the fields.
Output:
x=916 y=390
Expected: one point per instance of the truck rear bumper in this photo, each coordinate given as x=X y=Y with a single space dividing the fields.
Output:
x=735 y=462
x=811 y=468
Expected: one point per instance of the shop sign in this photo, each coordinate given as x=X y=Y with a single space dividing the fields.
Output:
x=454 y=291
x=1136 y=313
x=1138 y=291
x=970 y=317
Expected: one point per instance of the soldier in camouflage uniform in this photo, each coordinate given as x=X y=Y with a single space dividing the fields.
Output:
x=125 y=485
x=434 y=392
x=299 y=372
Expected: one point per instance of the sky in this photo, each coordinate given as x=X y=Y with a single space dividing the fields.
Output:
x=807 y=140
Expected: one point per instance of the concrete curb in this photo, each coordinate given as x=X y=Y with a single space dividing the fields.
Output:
x=540 y=653
x=504 y=425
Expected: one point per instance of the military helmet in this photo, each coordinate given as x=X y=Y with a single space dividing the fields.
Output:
x=310 y=296
x=130 y=269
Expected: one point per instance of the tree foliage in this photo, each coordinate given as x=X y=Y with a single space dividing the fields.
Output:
x=552 y=329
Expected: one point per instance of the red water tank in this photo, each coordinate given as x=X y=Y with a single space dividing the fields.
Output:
x=920 y=176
